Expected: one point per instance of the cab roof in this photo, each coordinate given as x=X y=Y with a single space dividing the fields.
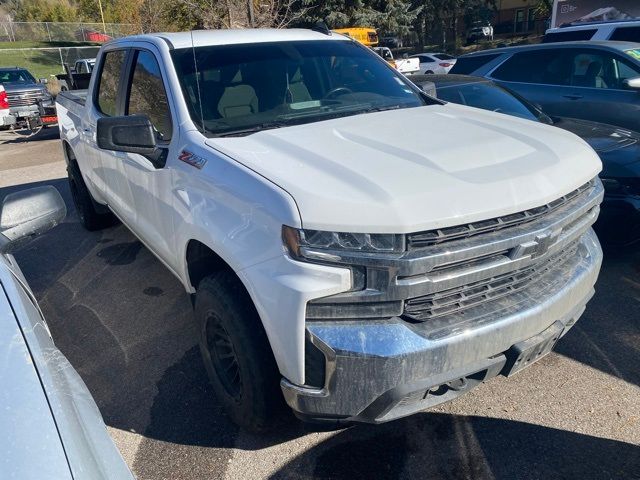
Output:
x=233 y=37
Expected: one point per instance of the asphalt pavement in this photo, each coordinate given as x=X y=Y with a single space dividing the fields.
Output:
x=126 y=325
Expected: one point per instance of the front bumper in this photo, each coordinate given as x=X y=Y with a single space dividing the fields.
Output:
x=378 y=371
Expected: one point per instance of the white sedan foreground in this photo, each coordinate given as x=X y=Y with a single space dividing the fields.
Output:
x=435 y=62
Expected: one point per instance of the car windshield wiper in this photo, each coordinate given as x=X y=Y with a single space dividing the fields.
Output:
x=238 y=132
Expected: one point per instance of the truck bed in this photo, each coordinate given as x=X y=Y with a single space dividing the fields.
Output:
x=70 y=104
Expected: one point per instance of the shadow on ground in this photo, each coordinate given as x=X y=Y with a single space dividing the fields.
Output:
x=443 y=446
x=9 y=137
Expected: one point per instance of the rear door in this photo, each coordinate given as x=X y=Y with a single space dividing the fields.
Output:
x=540 y=76
x=104 y=101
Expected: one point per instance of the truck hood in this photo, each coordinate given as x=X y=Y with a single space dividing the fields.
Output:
x=20 y=87
x=415 y=169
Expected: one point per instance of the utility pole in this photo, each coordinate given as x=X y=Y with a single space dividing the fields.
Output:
x=252 y=20
x=104 y=27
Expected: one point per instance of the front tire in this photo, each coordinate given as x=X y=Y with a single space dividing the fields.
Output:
x=90 y=218
x=236 y=353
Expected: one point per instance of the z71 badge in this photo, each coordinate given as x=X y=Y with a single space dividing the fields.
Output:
x=192 y=159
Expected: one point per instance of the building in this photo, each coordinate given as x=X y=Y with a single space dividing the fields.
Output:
x=518 y=17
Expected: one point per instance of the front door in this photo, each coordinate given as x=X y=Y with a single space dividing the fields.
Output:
x=145 y=184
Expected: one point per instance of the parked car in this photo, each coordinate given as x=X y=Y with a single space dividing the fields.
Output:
x=479 y=32
x=625 y=31
x=51 y=426
x=405 y=65
x=619 y=149
x=359 y=276
x=29 y=100
x=435 y=62
x=595 y=80
x=6 y=119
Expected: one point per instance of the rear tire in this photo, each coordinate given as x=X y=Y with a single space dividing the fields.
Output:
x=428 y=72
x=90 y=218
x=236 y=353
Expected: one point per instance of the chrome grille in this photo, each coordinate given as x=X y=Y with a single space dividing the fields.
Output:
x=443 y=282
x=24 y=99
x=434 y=237
x=461 y=298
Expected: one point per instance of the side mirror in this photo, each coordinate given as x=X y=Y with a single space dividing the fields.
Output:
x=131 y=134
x=28 y=213
x=633 y=83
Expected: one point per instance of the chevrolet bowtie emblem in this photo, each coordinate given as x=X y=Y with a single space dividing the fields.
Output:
x=535 y=248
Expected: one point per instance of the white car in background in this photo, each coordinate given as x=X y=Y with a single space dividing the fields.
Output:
x=6 y=119
x=435 y=62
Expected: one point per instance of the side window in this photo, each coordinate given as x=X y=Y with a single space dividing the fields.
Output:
x=110 y=81
x=147 y=95
x=107 y=94
x=600 y=69
x=623 y=71
x=542 y=66
x=626 y=34
x=80 y=67
x=468 y=65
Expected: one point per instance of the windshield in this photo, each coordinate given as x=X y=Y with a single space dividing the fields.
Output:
x=488 y=96
x=16 y=76
x=246 y=88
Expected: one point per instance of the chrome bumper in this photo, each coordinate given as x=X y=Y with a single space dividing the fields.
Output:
x=380 y=370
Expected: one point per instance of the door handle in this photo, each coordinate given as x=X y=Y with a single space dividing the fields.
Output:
x=573 y=97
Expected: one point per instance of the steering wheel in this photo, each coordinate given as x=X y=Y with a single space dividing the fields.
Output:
x=337 y=91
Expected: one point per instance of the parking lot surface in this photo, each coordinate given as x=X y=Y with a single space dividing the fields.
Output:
x=126 y=325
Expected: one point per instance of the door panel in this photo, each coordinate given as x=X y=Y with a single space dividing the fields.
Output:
x=144 y=188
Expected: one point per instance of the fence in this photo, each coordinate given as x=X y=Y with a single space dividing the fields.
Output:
x=63 y=31
x=43 y=62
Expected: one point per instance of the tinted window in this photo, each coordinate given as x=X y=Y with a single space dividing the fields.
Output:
x=541 y=66
x=239 y=89
x=570 y=36
x=600 y=69
x=147 y=95
x=444 y=56
x=627 y=34
x=487 y=96
x=110 y=81
x=468 y=65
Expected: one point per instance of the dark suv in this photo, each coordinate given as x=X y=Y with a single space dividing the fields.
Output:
x=593 y=80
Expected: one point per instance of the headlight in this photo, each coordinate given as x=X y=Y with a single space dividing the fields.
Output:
x=317 y=244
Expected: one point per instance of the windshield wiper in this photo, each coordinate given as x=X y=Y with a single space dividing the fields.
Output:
x=239 y=132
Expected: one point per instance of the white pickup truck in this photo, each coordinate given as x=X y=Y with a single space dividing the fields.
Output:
x=335 y=265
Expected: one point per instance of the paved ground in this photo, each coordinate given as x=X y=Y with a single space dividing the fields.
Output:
x=125 y=323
